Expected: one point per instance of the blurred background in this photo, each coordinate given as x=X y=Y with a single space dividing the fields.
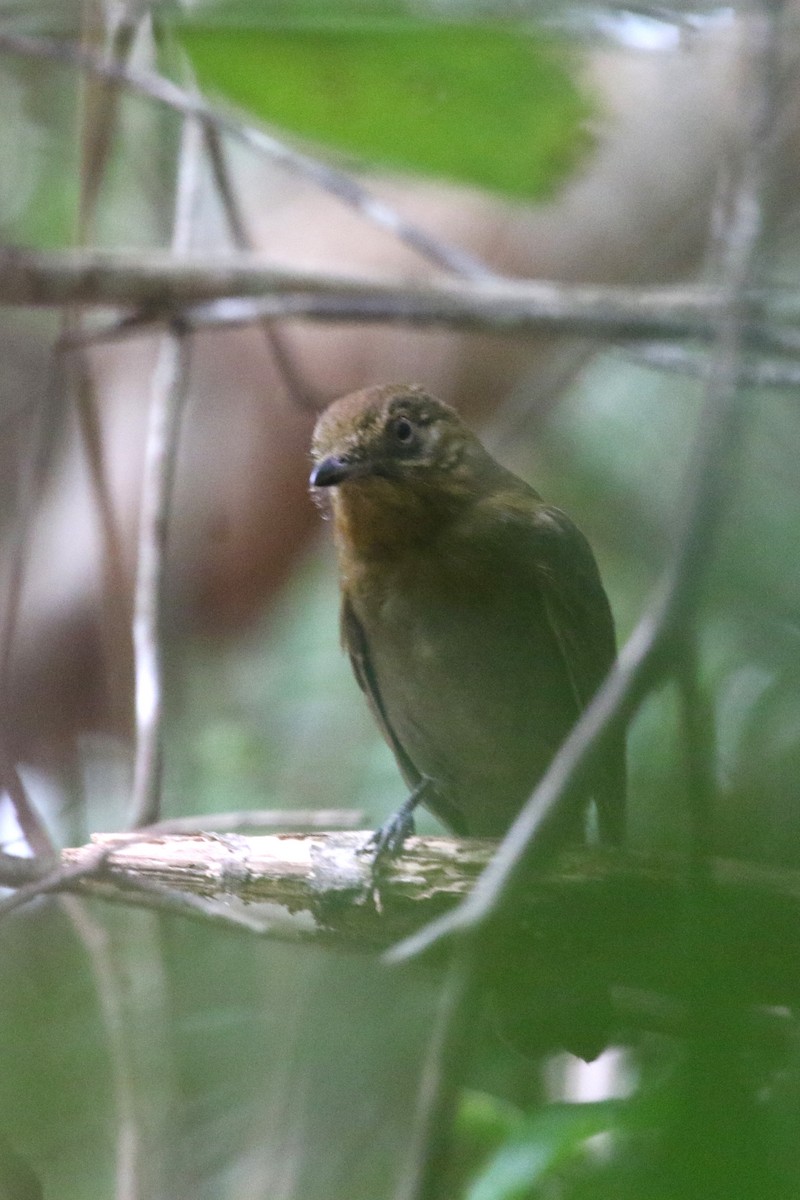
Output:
x=146 y=1056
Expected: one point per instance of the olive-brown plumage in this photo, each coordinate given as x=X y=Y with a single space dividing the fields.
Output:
x=473 y=612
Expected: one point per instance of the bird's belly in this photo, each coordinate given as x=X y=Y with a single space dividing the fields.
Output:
x=476 y=696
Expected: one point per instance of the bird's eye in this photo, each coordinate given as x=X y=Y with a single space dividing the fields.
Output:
x=402 y=431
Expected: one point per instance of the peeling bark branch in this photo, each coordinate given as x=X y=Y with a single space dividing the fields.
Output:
x=622 y=912
x=318 y=886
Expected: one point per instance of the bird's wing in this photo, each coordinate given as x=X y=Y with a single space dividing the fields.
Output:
x=355 y=643
x=582 y=625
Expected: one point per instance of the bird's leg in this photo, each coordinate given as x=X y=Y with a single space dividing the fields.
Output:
x=387 y=841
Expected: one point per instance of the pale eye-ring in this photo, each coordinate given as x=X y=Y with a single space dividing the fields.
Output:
x=402 y=430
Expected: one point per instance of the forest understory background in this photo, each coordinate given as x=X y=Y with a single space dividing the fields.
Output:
x=217 y=218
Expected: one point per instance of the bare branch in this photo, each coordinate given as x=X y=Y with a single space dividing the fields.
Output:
x=29 y=821
x=618 y=908
x=16 y=870
x=115 y=611
x=36 y=463
x=157 y=281
x=163 y=899
x=665 y=356
x=168 y=390
x=298 y=873
x=60 y=879
x=166 y=406
x=109 y=990
x=504 y=308
x=98 y=110
x=297 y=389
x=240 y=289
x=429 y=1144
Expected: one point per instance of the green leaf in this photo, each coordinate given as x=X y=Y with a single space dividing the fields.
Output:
x=486 y=1120
x=544 y=1142
x=496 y=107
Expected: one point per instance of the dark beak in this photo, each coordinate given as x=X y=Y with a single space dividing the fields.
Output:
x=332 y=470
x=337 y=469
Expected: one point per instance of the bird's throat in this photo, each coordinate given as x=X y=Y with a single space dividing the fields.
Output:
x=382 y=518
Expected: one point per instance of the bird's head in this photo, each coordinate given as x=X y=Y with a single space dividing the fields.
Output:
x=396 y=432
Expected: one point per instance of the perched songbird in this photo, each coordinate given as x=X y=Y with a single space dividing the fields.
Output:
x=473 y=612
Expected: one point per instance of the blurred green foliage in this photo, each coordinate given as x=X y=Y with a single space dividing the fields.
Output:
x=40 y=182
x=528 y=1147
x=491 y=106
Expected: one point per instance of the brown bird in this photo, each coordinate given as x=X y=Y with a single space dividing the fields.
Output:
x=473 y=613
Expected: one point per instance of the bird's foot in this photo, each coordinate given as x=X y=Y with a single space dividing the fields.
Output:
x=387 y=841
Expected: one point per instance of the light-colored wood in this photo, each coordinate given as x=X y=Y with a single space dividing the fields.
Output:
x=619 y=916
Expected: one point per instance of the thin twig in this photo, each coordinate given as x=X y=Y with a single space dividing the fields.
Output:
x=16 y=870
x=337 y=183
x=168 y=391
x=698 y=745
x=33 y=828
x=711 y=1067
x=99 y=102
x=515 y=308
x=115 y=613
x=109 y=991
x=98 y=113
x=45 y=418
x=135 y=1157
x=444 y=1065
x=590 y=311
x=170 y=900
x=665 y=356
x=296 y=387
x=60 y=879
x=166 y=406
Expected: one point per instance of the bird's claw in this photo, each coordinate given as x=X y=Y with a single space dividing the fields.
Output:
x=387 y=841
x=384 y=844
